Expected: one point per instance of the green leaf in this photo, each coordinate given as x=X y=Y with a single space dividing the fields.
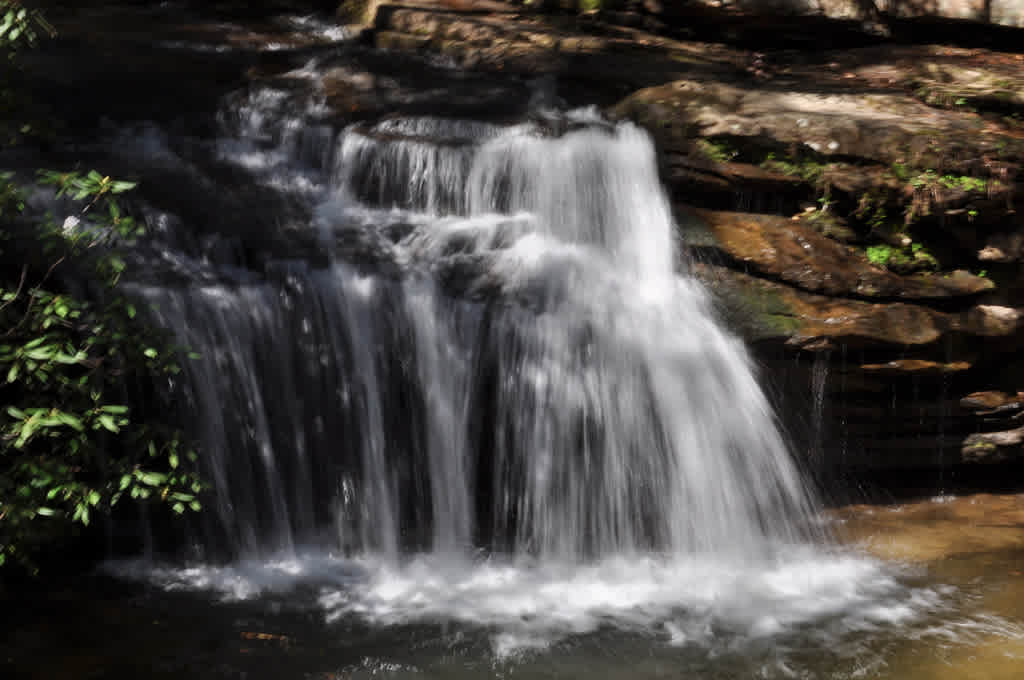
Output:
x=152 y=478
x=27 y=430
x=71 y=421
x=173 y=460
x=46 y=512
x=178 y=508
x=114 y=408
x=93 y=498
x=108 y=423
x=42 y=353
x=150 y=352
x=12 y=374
x=121 y=187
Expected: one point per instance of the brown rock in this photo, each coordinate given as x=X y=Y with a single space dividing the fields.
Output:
x=993 y=320
x=885 y=127
x=977 y=401
x=767 y=310
x=793 y=252
x=993 y=447
x=916 y=367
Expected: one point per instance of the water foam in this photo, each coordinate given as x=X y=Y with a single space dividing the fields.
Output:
x=528 y=605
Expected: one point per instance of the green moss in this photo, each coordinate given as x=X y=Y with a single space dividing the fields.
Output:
x=975 y=184
x=782 y=324
x=717 y=150
x=879 y=255
x=903 y=260
x=901 y=171
x=809 y=171
x=756 y=310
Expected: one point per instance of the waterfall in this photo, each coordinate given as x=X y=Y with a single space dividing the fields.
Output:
x=499 y=353
x=463 y=375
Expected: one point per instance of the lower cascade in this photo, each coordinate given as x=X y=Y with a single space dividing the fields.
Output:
x=471 y=383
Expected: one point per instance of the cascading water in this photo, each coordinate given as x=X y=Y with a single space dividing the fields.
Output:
x=528 y=374
x=472 y=384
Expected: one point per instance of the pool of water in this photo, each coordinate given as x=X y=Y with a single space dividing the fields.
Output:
x=933 y=589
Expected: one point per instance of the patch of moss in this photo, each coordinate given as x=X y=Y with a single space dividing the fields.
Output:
x=781 y=323
x=757 y=311
x=767 y=311
x=975 y=184
x=809 y=171
x=914 y=258
x=717 y=150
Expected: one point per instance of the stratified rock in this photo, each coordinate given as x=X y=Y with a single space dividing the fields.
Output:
x=790 y=251
x=916 y=367
x=993 y=447
x=767 y=310
x=882 y=126
x=990 y=400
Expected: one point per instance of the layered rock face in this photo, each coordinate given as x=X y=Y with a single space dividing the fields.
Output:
x=857 y=210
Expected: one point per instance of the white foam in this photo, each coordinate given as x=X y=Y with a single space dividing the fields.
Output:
x=528 y=606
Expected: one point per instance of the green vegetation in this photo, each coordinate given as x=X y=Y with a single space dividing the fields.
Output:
x=902 y=260
x=70 y=443
x=811 y=172
x=974 y=184
x=75 y=439
x=717 y=150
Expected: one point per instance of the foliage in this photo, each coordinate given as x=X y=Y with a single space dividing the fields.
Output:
x=717 y=150
x=20 y=28
x=809 y=171
x=70 y=446
x=879 y=254
x=904 y=260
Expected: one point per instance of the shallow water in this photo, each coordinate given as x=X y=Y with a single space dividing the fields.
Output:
x=926 y=590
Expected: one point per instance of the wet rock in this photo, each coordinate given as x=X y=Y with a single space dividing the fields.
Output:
x=916 y=367
x=993 y=447
x=1003 y=248
x=994 y=320
x=766 y=310
x=990 y=400
x=790 y=251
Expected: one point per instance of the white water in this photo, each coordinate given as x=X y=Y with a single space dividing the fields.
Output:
x=497 y=403
x=529 y=605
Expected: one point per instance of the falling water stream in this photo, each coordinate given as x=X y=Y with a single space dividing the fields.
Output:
x=469 y=410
